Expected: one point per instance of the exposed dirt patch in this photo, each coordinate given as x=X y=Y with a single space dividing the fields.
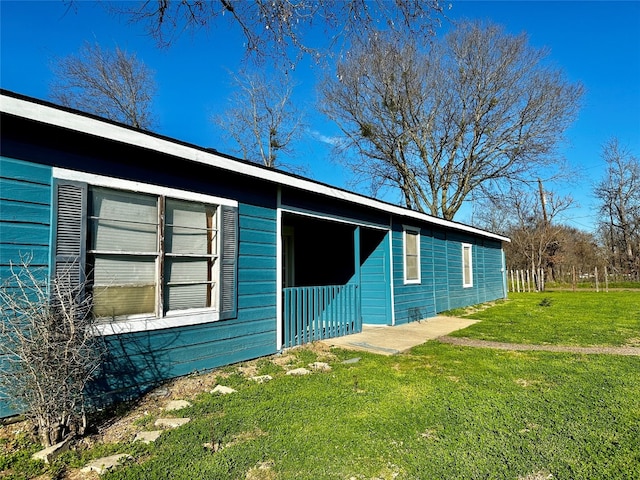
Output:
x=472 y=342
x=542 y=475
x=477 y=308
x=122 y=428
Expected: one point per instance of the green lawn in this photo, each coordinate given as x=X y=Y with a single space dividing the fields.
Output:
x=437 y=412
x=561 y=318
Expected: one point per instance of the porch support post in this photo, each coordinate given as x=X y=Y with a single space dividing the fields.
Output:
x=356 y=255
x=279 y=260
x=357 y=276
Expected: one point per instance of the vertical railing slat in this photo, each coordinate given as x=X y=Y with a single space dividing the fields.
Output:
x=316 y=313
x=320 y=312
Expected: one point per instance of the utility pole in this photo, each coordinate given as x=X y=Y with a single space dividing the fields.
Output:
x=543 y=202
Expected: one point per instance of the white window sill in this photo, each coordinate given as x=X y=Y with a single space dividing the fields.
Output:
x=152 y=323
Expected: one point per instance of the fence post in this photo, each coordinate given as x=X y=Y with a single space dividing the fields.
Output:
x=573 y=278
x=606 y=279
x=596 y=275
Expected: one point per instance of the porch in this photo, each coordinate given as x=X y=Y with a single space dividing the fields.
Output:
x=335 y=277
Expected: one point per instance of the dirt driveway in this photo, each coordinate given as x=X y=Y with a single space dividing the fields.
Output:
x=471 y=342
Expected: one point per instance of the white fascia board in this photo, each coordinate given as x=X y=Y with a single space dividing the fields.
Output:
x=92 y=126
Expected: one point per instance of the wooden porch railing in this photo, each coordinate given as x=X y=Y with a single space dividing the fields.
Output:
x=317 y=313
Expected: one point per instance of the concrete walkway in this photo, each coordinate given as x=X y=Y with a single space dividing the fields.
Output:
x=387 y=340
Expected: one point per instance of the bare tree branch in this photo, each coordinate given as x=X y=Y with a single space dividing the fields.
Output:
x=48 y=350
x=262 y=118
x=111 y=84
x=619 y=197
x=286 y=30
x=474 y=110
x=536 y=242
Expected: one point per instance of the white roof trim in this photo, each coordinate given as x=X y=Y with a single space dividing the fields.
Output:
x=92 y=126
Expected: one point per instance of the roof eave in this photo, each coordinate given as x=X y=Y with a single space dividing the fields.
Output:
x=54 y=115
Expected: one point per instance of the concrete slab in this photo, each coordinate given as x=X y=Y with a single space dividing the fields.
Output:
x=386 y=340
x=50 y=453
x=148 y=437
x=101 y=465
x=223 y=390
x=174 y=405
x=320 y=366
x=171 y=422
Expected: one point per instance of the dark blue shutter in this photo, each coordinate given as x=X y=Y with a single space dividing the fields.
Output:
x=229 y=263
x=70 y=206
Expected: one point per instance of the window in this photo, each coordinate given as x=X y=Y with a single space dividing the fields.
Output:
x=467 y=266
x=411 y=255
x=149 y=256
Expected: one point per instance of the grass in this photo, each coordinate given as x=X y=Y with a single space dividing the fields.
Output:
x=561 y=318
x=438 y=411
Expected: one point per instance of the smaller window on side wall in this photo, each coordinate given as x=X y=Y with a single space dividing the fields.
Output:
x=467 y=266
x=411 y=253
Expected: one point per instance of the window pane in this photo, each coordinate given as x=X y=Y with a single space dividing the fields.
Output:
x=189 y=285
x=180 y=297
x=412 y=268
x=190 y=228
x=123 y=285
x=411 y=255
x=466 y=265
x=123 y=221
x=412 y=243
x=190 y=265
x=187 y=270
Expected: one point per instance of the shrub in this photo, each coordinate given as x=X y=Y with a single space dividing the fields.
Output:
x=48 y=350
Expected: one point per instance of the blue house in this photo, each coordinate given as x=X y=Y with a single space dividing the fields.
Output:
x=196 y=260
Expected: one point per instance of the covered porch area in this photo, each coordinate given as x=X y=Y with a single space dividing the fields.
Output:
x=335 y=277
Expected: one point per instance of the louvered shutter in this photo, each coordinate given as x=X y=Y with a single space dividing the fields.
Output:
x=70 y=203
x=229 y=263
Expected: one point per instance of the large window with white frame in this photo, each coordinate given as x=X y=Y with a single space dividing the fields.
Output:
x=467 y=265
x=411 y=254
x=146 y=255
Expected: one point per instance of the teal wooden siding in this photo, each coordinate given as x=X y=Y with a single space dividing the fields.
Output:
x=333 y=246
x=487 y=270
x=440 y=271
x=441 y=287
x=140 y=360
x=413 y=302
x=375 y=278
x=25 y=215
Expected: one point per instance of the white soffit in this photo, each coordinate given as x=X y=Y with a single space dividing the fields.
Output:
x=75 y=121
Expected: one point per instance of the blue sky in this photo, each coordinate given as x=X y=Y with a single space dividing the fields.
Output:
x=596 y=43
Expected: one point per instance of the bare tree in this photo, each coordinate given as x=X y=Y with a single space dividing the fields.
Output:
x=474 y=110
x=48 y=351
x=111 y=84
x=529 y=219
x=619 y=196
x=284 y=29
x=262 y=118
